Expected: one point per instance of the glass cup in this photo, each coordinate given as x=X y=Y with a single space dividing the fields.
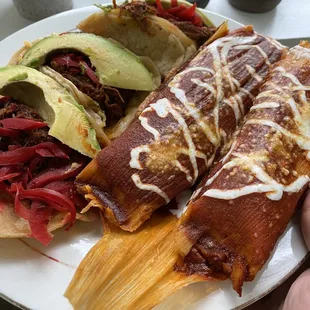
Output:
x=254 y=6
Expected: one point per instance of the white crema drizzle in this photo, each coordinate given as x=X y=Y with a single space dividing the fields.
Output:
x=258 y=48
x=273 y=189
x=162 y=108
x=275 y=43
x=149 y=187
x=264 y=105
x=300 y=52
x=253 y=73
x=210 y=127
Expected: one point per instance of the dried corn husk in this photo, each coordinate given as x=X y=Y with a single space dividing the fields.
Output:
x=131 y=270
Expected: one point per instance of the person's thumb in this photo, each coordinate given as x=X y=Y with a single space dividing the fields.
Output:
x=305 y=220
x=298 y=297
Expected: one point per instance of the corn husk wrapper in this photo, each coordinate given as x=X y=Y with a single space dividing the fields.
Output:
x=132 y=270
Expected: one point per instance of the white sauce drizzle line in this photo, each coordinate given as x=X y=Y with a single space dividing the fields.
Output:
x=135 y=154
x=264 y=105
x=163 y=107
x=236 y=103
x=219 y=87
x=276 y=189
x=226 y=47
x=145 y=124
x=191 y=107
x=209 y=87
x=196 y=193
x=304 y=126
x=240 y=102
x=300 y=52
x=191 y=69
x=302 y=141
x=269 y=94
x=253 y=73
x=195 y=113
x=275 y=43
x=273 y=189
x=232 y=147
x=258 y=48
x=291 y=76
x=220 y=69
x=233 y=103
x=268 y=185
x=183 y=169
x=198 y=154
x=149 y=187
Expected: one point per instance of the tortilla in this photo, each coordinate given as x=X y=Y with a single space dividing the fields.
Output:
x=132 y=109
x=13 y=226
x=18 y=55
x=163 y=42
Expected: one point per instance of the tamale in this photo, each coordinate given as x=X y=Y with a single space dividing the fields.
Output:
x=181 y=129
x=239 y=211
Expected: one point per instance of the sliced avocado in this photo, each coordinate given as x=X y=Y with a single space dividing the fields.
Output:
x=65 y=117
x=115 y=66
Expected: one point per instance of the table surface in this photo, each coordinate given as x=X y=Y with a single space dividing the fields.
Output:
x=290 y=19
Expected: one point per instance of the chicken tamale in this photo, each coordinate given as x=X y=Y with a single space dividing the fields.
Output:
x=237 y=215
x=183 y=125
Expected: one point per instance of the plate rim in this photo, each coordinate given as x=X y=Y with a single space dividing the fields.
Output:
x=206 y=12
x=286 y=277
x=246 y=304
x=13 y=302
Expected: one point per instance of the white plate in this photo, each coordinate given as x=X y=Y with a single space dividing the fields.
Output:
x=35 y=277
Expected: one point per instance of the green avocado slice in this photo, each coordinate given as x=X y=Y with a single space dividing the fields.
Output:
x=65 y=117
x=115 y=65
